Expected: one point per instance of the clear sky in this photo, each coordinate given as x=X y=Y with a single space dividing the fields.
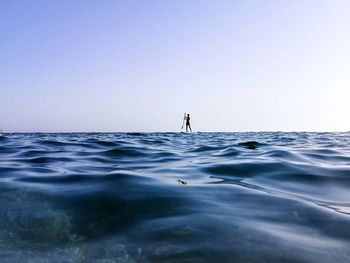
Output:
x=108 y=65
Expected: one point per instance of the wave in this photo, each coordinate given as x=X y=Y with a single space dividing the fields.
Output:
x=257 y=197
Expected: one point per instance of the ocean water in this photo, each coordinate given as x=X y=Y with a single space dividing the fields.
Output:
x=173 y=197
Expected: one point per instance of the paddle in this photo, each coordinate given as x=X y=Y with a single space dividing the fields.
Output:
x=183 y=121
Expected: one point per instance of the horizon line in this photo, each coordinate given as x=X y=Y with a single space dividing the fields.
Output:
x=261 y=131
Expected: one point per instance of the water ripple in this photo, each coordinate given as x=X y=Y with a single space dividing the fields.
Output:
x=171 y=197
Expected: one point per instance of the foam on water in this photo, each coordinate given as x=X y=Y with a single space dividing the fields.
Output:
x=172 y=197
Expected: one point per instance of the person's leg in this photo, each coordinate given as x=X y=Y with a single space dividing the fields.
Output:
x=189 y=125
x=186 y=127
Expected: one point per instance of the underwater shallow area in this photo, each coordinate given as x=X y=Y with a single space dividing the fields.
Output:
x=174 y=197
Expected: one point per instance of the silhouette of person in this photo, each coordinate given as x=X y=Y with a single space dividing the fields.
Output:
x=188 y=125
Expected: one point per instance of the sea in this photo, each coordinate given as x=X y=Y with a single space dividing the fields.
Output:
x=175 y=197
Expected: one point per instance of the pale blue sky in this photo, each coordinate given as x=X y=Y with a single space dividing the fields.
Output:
x=248 y=65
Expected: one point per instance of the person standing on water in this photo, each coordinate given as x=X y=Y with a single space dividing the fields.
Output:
x=188 y=125
x=187 y=120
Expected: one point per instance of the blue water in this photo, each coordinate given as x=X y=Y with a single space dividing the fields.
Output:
x=172 y=197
